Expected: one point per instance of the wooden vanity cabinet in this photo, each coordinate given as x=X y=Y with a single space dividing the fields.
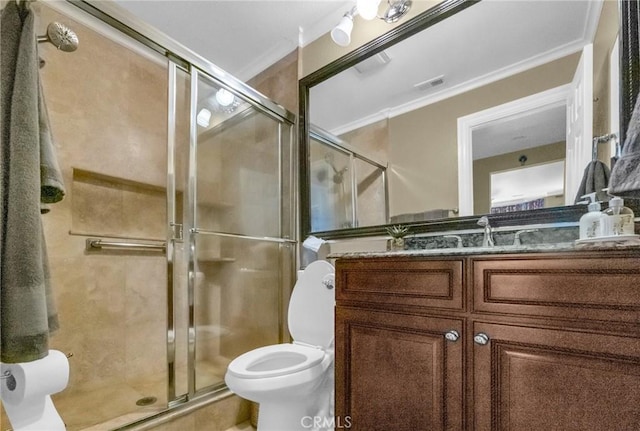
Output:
x=397 y=371
x=502 y=342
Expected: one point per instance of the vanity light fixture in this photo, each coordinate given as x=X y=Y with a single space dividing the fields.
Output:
x=341 y=33
x=368 y=10
x=396 y=10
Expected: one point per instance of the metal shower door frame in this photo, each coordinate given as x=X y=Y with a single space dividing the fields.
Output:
x=191 y=231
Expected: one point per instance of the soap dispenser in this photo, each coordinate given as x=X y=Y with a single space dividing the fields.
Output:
x=592 y=223
x=618 y=218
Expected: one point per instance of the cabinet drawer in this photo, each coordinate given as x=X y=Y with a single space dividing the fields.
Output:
x=426 y=283
x=580 y=287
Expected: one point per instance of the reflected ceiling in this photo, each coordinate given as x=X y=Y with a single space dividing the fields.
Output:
x=464 y=52
x=520 y=132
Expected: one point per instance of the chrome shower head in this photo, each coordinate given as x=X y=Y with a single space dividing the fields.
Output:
x=61 y=36
x=338 y=175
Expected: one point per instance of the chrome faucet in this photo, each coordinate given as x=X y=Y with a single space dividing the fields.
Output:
x=516 y=239
x=487 y=241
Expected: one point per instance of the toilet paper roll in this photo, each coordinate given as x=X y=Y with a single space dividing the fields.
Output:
x=40 y=378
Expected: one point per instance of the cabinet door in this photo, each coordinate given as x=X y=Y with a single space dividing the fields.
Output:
x=528 y=378
x=398 y=371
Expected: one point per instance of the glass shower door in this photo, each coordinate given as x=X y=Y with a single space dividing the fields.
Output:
x=332 y=197
x=239 y=225
x=347 y=188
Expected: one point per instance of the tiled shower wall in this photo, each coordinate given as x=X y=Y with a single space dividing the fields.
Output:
x=108 y=111
x=107 y=106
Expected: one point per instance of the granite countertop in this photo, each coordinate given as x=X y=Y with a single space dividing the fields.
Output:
x=499 y=249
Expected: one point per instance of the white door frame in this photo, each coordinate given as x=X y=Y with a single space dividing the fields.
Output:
x=614 y=95
x=540 y=101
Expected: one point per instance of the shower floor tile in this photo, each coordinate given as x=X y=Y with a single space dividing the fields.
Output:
x=109 y=406
x=245 y=426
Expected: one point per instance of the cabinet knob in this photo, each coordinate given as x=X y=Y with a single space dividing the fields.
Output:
x=481 y=338
x=452 y=335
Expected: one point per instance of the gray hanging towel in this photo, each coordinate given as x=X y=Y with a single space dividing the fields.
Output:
x=625 y=176
x=27 y=164
x=594 y=179
x=51 y=183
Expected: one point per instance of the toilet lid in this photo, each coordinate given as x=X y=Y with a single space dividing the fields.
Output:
x=311 y=307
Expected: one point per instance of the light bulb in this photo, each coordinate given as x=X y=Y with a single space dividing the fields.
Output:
x=225 y=97
x=341 y=34
x=367 y=9
x=204 y=117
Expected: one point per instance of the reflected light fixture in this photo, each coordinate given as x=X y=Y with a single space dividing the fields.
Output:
x=368 y=10
x=204 y=117
x=225 y=97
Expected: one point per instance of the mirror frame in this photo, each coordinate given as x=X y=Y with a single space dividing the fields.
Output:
x=629 y=18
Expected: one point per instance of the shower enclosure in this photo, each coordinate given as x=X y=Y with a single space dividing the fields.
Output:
x=348 y=188
x=174 y=249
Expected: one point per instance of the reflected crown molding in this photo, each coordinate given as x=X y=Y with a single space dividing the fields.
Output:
x=575 y=46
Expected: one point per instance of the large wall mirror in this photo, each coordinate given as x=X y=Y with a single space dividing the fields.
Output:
x=470 y=108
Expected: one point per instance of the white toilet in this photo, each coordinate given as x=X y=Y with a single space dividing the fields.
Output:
x=293 y=382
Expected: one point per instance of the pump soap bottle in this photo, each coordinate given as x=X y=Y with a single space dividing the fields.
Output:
x=592 y=223
x=618 y=218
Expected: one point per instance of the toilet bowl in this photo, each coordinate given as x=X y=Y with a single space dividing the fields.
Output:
x=293 y=382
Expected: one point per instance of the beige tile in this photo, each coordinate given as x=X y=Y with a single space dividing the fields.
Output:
x=4 y=420
x=222 y=414
x=183 y=423
x=145 y=290
x=143 y=212
x=97 y=206
x=81 y=408
x=244 y=426
x=278 y=81
x=145 y=352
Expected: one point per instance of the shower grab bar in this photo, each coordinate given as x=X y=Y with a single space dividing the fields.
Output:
x=93 y=244
x=240 y=236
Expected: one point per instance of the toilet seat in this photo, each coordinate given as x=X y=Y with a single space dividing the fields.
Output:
x=275 y=360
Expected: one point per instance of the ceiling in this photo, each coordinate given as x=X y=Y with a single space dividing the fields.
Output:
x=241 y=37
